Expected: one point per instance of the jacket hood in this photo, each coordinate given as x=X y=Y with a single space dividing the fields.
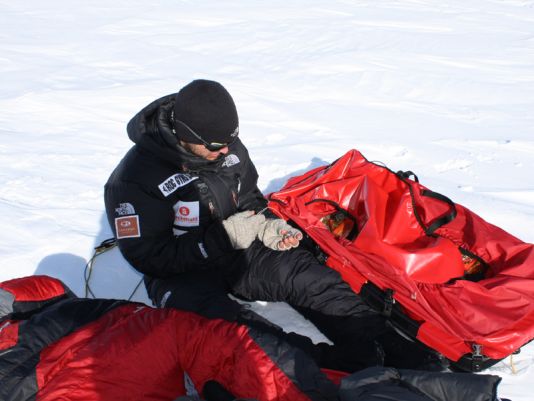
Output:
x=151 y=130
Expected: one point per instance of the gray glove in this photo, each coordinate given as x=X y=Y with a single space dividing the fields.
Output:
x=278 y=235
x=242 y=228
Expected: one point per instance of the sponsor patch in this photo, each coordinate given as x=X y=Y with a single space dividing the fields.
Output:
x=174 y=182
x=230 y=160
x=186 y=214
x=127 y=227
x=125 y=209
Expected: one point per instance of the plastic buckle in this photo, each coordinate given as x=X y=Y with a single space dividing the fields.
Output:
x=477 y=358
x=105 y=245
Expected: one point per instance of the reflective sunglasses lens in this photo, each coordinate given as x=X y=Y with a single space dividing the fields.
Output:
x=214 y=147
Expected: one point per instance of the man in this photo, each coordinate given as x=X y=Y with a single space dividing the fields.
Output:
x=186 y=211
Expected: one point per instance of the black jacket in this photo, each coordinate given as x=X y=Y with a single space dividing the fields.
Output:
x=165 y=205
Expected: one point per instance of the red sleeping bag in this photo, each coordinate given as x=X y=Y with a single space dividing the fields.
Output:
x=465 y=287
x=54 y=346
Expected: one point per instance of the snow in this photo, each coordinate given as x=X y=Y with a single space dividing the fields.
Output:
x=442 y=88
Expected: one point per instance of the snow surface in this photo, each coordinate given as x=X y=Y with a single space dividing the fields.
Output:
x=442 y=88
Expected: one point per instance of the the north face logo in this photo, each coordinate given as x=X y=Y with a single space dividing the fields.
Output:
x=125 y=209
x=230 y=160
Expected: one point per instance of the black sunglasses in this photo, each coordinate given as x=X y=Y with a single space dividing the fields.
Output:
x=211 y=146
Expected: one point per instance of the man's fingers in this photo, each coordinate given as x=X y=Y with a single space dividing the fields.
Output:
x=278 y=235
x=291 y=241
x=291 y=234
x=288 y=242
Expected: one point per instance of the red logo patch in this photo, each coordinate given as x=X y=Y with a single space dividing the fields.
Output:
x=184 y=211
x=127 y=227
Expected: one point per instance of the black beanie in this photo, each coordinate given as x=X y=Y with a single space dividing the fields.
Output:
x=208 y=109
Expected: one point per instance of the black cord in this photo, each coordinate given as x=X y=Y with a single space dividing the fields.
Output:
x=135 y=289
x=104 y=246
x=87 y=271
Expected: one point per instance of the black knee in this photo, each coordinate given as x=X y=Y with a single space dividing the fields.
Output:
x=199 y=293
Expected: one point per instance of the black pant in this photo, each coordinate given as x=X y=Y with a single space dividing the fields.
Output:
x=259 y=273
x=295 y=277
x=315 y=290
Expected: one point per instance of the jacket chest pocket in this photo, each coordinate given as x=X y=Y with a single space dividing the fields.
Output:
x=219 y=194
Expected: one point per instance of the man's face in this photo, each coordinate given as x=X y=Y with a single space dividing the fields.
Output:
x=201 y=151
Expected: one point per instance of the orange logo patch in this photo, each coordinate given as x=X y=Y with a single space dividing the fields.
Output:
x=127 y=227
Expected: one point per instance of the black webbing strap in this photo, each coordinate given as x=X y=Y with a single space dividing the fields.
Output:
x=441 y=221
x=407 y=174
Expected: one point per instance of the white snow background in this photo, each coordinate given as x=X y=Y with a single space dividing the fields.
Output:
x=442 y=88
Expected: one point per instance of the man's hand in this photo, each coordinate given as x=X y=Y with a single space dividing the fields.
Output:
x=278 y=235
x=242 y=228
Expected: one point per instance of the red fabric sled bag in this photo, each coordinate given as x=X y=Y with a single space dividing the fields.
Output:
x=467 y=283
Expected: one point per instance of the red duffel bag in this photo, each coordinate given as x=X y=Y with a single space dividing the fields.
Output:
x=442 y=274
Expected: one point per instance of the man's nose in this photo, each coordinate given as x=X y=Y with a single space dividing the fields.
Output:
x=224 y=150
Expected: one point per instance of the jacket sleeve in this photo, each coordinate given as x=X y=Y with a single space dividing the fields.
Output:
x=152 y=248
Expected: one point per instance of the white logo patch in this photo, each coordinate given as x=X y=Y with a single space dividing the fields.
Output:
x=174 y=182
x=186 y=214
x=230 y=160
x=125 y=209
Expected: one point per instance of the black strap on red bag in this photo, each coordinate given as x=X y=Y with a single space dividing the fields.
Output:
x=440 y=221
